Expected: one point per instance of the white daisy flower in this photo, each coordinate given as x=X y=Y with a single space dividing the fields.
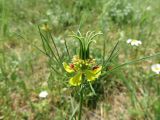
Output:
x=156 y=68
x=43 y=94
x=134 y=42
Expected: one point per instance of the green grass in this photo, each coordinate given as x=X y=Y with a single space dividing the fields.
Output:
x=129 y=93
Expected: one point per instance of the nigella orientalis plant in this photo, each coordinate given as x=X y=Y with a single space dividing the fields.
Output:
x=85 y=68
x=80 y=70
x=83 y=65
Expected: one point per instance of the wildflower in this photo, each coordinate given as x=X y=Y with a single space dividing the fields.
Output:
x=45 y=27
x=156 y=68
x=43 y=94
x=81 y=68
x=134 y=42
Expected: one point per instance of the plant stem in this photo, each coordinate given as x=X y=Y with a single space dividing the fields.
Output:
x=81 y=102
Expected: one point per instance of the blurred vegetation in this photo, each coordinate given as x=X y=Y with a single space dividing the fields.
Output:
x=131 y=93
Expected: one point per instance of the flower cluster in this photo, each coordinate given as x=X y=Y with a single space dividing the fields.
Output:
x=80 y=68
x=43 y=94
x=134 y=42
x=156 y=68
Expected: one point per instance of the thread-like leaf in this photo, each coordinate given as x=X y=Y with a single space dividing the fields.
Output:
x=129 y=63
x=45 y=41
x=55 y=45
x=110 y=56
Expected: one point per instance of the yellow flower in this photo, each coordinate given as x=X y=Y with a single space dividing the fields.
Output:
x=90 y=74
x=76 y=80
x=45 y=27
x=68 y=68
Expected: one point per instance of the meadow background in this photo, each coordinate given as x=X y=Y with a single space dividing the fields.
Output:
x=131 y=93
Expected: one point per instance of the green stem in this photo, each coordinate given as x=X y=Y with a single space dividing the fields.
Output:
x=81 y=102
